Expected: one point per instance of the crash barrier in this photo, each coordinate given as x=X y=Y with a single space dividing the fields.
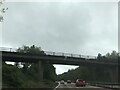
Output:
x=107 y=85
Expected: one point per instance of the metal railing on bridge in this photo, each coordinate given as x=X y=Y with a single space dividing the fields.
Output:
x=69 y=55
x=53 y=53
x=8 y=49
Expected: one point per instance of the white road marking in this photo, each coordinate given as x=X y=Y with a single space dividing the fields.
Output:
x=57 y=86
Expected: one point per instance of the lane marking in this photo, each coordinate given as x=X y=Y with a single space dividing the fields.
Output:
x=57 y=86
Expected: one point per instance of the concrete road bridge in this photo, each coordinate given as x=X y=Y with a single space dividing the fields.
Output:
x=61 y=58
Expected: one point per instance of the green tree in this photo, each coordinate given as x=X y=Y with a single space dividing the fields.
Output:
x=32 y=50
x=99 y=56
x=2 y=10
x=12 y=76
x=108 y=55
x=49 y=70
x=114 y=54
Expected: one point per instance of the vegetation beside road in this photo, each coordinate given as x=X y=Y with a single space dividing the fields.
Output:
x=91 y=74
x=25 y=75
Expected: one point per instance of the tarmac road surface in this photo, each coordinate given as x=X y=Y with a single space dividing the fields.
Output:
x=73 y=87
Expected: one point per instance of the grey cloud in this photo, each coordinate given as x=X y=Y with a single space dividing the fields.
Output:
x=82 y=28
x=64 y=27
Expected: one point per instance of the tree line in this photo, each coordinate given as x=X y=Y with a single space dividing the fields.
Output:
x=109 y=56
x=89 y=73
x=24 y=75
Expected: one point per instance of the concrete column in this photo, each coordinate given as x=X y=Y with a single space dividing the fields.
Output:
x=40 y=71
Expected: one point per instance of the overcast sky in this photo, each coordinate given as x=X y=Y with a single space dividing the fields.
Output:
x=80 y=28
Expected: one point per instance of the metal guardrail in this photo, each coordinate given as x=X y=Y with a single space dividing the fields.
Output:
x=53 y=53
x=107 y=85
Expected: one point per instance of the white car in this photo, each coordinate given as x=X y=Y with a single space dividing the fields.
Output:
x=62 y=82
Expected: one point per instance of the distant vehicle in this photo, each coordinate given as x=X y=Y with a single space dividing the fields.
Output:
x=80 y=83
x=68 y=81
x=62 y=82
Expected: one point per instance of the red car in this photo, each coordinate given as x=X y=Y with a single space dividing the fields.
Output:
x=80 y=83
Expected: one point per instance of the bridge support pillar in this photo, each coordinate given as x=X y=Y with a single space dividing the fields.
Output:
x=40 y=70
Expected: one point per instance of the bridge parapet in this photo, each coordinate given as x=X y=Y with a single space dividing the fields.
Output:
x=69 y=55
x=53 y=53
x=8 y=49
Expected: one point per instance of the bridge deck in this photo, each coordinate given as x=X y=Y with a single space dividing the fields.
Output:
x=53 y=58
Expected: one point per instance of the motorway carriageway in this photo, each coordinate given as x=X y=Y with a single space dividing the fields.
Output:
x=72 y=86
